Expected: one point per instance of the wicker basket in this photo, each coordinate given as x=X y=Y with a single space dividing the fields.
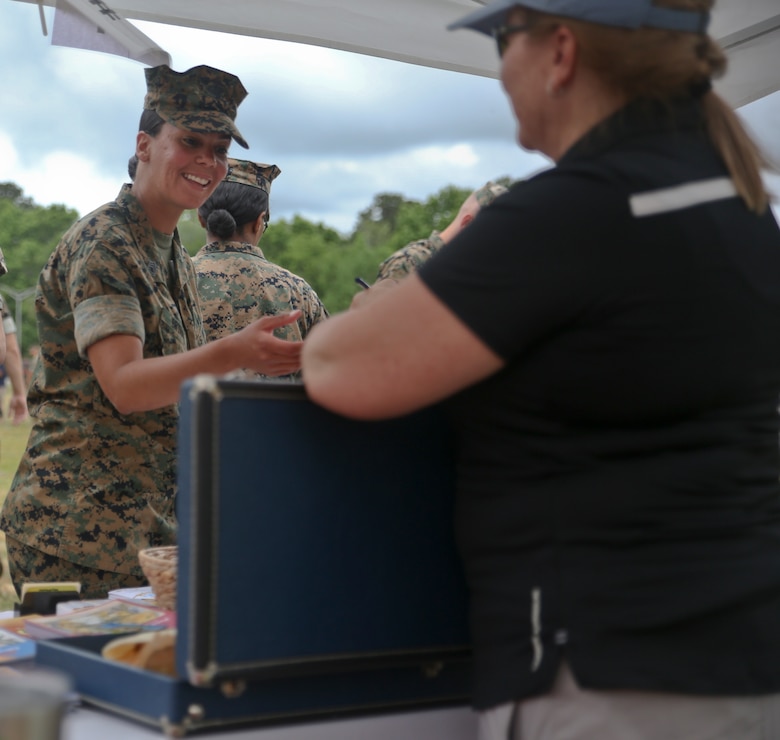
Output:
x=159 y=565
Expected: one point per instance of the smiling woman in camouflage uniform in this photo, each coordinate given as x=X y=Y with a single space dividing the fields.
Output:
x=120 y=328
x=237 y=284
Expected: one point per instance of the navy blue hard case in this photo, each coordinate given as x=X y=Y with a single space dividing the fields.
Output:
x=317 y=574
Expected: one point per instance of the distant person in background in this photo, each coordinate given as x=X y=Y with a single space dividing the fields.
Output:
x=28 y=363
x=120 y=329
x=237 y=284
x=3 y=271
x=409 y=258
x=14 y=371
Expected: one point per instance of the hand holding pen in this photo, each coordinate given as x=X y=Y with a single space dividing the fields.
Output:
x=370 y=292
x=358 y=298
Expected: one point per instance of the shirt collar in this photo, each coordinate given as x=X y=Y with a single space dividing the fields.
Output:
x=637 y=118
x=240 y=247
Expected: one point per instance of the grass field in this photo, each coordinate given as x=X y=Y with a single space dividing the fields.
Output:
x=12 y=443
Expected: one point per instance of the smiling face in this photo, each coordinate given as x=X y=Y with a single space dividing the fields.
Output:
x=178 y=170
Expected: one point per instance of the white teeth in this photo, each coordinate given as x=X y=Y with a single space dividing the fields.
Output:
x=200 y=180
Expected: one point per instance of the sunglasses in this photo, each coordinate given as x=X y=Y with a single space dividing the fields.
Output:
x=503 y=33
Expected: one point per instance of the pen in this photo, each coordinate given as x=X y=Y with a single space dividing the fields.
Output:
x=362 y=283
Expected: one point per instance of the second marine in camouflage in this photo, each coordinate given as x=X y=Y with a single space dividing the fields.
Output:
x=236 y=282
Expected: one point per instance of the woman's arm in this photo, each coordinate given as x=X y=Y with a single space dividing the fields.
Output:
x=133 y=383
x=396 y=353
x=17 y=406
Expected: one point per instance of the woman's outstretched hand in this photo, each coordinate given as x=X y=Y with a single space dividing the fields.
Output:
x=265 y=353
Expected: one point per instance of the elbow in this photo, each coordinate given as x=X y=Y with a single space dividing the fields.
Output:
x=319 y=391
x=347 y=407
x=337 y=396
x=123 y=406
x=337 y=384
x=322 y=381
x=348 y=399
x=122 y=401
x=336 y=402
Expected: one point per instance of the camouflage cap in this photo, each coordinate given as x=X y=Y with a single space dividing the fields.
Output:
x=488 y=193
x=254 y=174
x=202 y=99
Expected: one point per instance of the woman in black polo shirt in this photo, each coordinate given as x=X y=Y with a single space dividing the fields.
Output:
x=606 y=337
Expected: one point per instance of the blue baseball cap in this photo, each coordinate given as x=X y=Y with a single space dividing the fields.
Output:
x=619 y=13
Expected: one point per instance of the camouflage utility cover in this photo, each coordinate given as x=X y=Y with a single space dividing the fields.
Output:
x=202 y=99
x=254 y=174
x=238 y=285
x=94 y=486
x=410 y=258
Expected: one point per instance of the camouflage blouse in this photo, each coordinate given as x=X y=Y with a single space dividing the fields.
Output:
x=94 y=486
x=409 y=258
x=238 y=285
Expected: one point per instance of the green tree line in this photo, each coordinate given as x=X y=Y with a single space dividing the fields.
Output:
x=327 y=260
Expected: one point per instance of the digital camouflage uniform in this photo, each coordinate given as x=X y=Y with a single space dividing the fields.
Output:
x=238 y=285
x=410 y=258
x=94 y=486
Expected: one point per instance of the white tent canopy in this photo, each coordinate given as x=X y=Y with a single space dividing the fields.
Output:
x=86 y=25
x=415 y=31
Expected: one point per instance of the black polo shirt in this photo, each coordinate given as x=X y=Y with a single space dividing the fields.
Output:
x=619 y=501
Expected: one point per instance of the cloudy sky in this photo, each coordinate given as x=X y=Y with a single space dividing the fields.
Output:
x=342 y=127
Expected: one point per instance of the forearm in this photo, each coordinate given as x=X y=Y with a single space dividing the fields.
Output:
x=134 y=383
x=400 y=352
x=145 y=384
x=13 y=366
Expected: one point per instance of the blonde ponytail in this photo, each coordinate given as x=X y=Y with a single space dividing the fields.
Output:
x=739 y=152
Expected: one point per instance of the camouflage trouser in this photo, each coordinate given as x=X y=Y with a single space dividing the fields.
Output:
x=28 y=565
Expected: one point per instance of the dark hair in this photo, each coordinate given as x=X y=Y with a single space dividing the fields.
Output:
x=231 y=207
x=150 y=123
x=221 y=223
